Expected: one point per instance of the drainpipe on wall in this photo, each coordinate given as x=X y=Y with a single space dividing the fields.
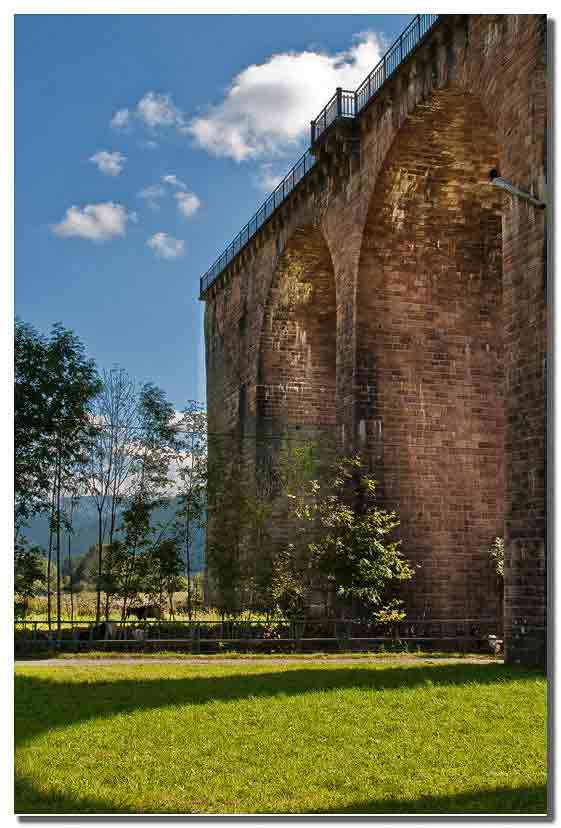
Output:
x=503 y=184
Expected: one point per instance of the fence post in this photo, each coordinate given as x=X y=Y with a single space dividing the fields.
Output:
x=312 y=135
x=339 y=101
x=418 y=27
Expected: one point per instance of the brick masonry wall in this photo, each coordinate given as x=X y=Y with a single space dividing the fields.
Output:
x=449 y=394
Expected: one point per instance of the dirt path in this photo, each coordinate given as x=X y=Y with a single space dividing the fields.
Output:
x=390 y=659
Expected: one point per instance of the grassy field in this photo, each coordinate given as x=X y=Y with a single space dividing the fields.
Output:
x=298 y=738
x=85 y=607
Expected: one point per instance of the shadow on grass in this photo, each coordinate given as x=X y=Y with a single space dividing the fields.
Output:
x=523 y=800
x=531 y=800
x=42 y=704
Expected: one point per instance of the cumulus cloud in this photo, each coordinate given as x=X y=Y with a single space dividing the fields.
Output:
x=110 y=163
x=174 y=181
x=120 y=119
x=166 y=247
x=152 y=195
x=187 y=203
x=268 y=107
x=97 y=222
x=154 y=109
x=158 y=110
x=267 y=179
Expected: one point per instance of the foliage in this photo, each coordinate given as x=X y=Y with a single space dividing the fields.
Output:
x=111 y=465
x=288 y=584
x=31 y=425
x=29 y=572
x=191 y=487
x=354 y=547
x=390 y=615
x=164 y=572
x=54 y=385
x=497 y=554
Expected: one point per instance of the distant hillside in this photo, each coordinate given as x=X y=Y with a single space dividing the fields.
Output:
x=85 y=530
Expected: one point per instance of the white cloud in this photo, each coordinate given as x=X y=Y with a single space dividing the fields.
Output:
x=120 y=119
x=151 y=195
x=268 y=107
x=166 y=247
x=267 y=179
x=187 y=203
x=97 y=222
x=156 y=110
x=110 y=163
x=174 y=181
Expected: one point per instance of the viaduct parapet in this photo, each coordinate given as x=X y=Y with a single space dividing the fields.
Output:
x=392 y=296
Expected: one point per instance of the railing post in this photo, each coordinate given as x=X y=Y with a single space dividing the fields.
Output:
x=418 y=27
x=339 y=101
x=312 y=132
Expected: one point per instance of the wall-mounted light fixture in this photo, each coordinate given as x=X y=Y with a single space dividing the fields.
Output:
x=505 y=185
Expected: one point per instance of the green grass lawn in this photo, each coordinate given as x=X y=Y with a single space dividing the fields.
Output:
x=298 y=738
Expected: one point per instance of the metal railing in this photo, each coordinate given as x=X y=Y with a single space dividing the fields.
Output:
x=408 y=40
x=341 y=105
x=289 y=182
x=344 y=104
x=194 y=635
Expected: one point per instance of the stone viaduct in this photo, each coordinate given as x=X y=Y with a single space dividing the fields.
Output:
x=392 y=295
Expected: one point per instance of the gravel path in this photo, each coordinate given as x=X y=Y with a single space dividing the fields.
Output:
x=77 y=662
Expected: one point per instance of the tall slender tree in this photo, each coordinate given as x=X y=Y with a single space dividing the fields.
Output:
x=111 y=463
x=154 y=448
x=191 y=462
x=74 y=382
x=54 y=385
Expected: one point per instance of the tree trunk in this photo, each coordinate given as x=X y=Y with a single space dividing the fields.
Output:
x=58 y=560
x=49 y=560
x=99 y=566
x=70 y=579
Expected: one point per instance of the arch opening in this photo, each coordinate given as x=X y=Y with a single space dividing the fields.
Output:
x=429 y=353
x=296 y=391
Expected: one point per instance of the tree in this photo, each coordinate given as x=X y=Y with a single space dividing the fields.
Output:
x=288 y=585
x=54 y=386
x=155 y=446
x=353 y=549
x=164 y=572
x=29 y=572
x=32 y=428
x=192 y=469
x=497 y=555
x=74 y=383
x=111 y=464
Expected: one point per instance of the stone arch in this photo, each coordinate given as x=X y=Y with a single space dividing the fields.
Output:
x=430 y=351
x=296 y=377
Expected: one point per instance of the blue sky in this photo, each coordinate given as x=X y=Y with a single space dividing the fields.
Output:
x=143 y=144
